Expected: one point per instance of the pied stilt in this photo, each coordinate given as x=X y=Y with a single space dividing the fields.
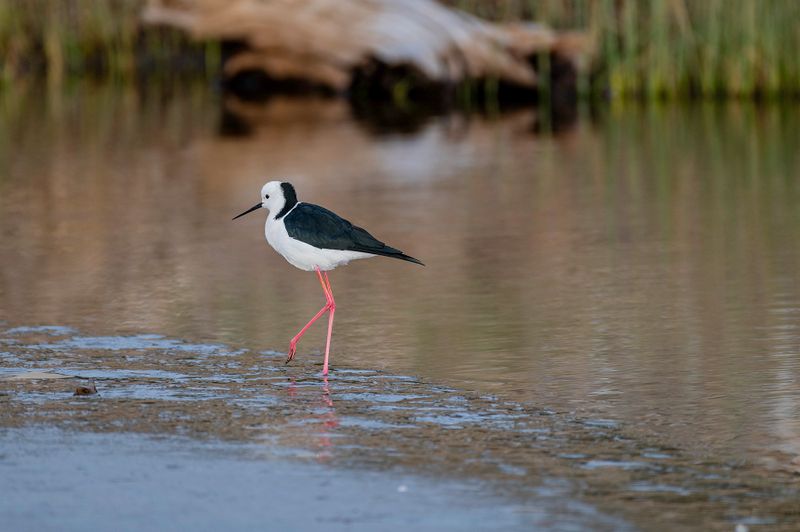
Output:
x=313 y=238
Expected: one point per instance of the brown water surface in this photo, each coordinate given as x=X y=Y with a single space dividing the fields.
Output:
x=641 y=267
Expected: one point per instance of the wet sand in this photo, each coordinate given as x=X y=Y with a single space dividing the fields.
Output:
x=237 y=412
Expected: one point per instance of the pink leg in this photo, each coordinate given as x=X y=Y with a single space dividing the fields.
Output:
x=318 y=315
x=332 y=306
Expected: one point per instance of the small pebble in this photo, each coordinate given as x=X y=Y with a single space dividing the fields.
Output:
x=85 y=390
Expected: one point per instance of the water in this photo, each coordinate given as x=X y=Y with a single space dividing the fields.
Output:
x=533 y=467
x=140 y=483
x=638 y=270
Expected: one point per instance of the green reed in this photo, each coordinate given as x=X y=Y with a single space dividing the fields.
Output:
x=675 y=48
x=63 y=38
x=649 y=49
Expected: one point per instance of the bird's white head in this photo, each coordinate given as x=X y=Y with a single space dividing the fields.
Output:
x=272 y=196
x=277 y=197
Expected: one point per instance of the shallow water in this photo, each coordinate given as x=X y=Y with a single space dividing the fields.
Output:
x=638 y=270
x=139 y=482
x=533 y=467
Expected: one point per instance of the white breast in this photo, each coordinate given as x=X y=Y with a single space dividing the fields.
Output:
x=304 y=256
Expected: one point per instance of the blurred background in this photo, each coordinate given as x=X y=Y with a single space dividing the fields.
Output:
x=664 y=49
x=605 y=192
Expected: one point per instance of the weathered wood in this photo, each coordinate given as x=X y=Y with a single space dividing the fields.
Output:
x=327 y=42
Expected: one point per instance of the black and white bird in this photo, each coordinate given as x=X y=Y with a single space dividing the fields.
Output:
x=313 y=238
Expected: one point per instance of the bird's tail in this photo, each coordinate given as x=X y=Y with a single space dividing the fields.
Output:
x=393 y=253
x=402 y=256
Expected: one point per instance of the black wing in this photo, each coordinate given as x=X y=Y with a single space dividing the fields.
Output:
x=324 y=229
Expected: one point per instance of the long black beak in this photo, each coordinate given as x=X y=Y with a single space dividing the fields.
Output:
x=248 y=211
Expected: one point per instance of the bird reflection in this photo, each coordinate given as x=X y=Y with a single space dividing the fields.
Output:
x=323 y=419
x=330 y=422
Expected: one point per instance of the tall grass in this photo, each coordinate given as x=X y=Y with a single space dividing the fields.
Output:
x=650 y=49
x=675 y=48
x=710 y=48
x=62 y=38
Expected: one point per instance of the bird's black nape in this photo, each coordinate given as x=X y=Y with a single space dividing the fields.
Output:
x=290 y=197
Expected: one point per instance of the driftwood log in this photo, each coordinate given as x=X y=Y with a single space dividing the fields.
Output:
x=337 y=44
